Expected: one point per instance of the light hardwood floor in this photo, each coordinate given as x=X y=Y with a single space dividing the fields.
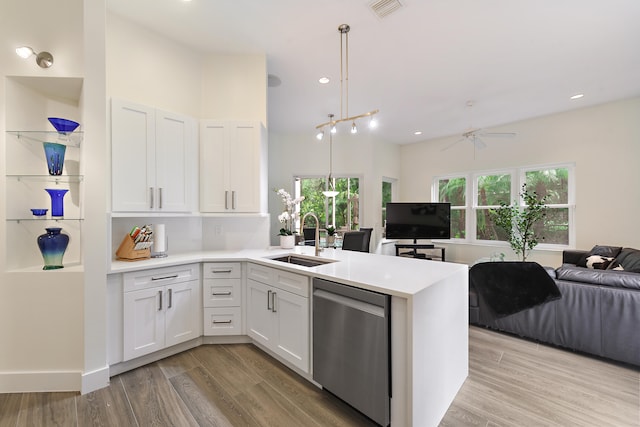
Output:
x=512 y=382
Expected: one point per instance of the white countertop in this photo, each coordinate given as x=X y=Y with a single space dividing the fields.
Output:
x=398 y=276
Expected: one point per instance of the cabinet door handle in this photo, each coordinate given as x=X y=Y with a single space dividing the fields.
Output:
x=226 y=199
x=160 y=298
x=215 y=322
x=273 y=302
x=151 y=197
x=160 y=197
x=269 y=300
x=215 y=294
x=233 y=199
x=220 y=271
x=170 y=298
x=173 y=276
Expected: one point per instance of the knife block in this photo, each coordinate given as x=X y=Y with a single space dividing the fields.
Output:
x=126 y=251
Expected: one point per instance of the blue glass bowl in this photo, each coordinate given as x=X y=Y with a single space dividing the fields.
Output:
x=39 y=212
x=63 y=125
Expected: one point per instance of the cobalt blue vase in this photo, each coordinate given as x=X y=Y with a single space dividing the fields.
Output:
x=55 y=157
x=57 y=199
x=52 y=245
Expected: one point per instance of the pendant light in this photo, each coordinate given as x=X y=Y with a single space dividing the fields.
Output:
x=344 y=91
x=331 y=190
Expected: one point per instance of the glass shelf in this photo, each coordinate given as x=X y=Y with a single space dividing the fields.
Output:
x=45 y=218
x=72 y=139
x=48 y=178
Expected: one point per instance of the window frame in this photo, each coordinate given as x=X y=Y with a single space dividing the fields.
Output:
x=435 y=196
x=518 y=177
x=475 y=207
x=297 y=179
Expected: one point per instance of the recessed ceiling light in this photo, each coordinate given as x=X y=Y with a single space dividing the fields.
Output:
x=577 y=96
x=418 y=132
x=324 y=80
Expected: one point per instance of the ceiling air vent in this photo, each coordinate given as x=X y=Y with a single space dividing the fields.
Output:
x=384 y=8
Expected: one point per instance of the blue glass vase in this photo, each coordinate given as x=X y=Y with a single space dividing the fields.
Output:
x=57 y=198
x=54 y=154
x=52 y=245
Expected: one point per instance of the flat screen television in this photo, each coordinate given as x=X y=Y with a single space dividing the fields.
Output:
x=418 y=220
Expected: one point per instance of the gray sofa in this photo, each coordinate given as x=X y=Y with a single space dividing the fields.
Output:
x=598 y=312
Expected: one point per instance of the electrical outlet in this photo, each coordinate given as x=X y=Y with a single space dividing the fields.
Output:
x=217 y=230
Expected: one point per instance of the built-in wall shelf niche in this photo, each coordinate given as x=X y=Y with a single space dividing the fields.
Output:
x=30 y=101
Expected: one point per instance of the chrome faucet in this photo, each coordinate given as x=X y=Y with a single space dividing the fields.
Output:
x=317 y=243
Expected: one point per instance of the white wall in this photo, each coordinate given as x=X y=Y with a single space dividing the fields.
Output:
x=603 y=142
x=234 y=87
x=147 y=68
x=361 y=155
x=41 y=312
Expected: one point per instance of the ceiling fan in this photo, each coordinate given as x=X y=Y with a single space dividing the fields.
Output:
x=475 y=135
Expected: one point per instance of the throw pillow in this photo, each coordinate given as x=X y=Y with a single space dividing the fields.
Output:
x=615 y=265
x=605 y=251
x=598 y=262
x=629 y=258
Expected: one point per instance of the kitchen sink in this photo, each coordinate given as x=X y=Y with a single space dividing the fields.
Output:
x=303 y=260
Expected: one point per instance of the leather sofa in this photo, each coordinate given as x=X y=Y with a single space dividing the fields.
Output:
x=598 y=312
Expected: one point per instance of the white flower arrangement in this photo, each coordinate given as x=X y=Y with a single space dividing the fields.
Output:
x=289 y=216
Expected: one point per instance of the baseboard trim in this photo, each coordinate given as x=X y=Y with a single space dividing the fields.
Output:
x=128 y=365
x=39 y=381
x=95 y=380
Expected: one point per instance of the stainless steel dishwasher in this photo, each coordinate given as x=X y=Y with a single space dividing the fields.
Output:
x=351 y=346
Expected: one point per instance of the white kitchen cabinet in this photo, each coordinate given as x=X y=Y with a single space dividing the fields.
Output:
x=278 y=313
x=153 y=159
x=222 y=298
x=233 y=171
x=161 y=309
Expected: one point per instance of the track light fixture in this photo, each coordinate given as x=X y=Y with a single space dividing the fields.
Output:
x=344 y=89
x=43 y=59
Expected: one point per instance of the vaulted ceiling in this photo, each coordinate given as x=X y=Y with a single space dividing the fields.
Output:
x=419 y=65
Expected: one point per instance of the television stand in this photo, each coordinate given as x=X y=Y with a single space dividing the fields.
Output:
x=429 y=251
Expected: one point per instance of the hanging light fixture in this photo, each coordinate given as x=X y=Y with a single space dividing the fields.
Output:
x=331 y=190
x=344 y=90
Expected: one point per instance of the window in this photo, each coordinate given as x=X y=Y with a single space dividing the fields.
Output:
x=454 y=190
x=473 y=222
x=387 y=189
x=489 y=192
x=553 y=183
x=342 y=211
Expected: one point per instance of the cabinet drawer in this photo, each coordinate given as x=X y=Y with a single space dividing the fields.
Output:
x=223 y=321
x=221 y=270
x=160 y=277
x=260 y=273
x=292 y=282
x=221 y=292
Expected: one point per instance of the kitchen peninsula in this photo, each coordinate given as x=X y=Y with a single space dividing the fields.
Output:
x=429 y=316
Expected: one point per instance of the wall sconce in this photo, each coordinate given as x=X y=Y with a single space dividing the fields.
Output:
x=43 y=59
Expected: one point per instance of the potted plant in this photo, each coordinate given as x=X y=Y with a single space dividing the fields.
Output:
x=288 y=218
x=331 y=236
x=522 y=225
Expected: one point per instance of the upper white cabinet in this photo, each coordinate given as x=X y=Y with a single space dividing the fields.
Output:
x=153 y=159
x=233 y=159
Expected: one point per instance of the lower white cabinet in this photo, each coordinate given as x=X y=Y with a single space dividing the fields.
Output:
x=222 y=298
x=161 y=309
x=278 y=318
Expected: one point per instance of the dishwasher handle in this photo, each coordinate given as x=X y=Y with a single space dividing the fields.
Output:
x=375 y=310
